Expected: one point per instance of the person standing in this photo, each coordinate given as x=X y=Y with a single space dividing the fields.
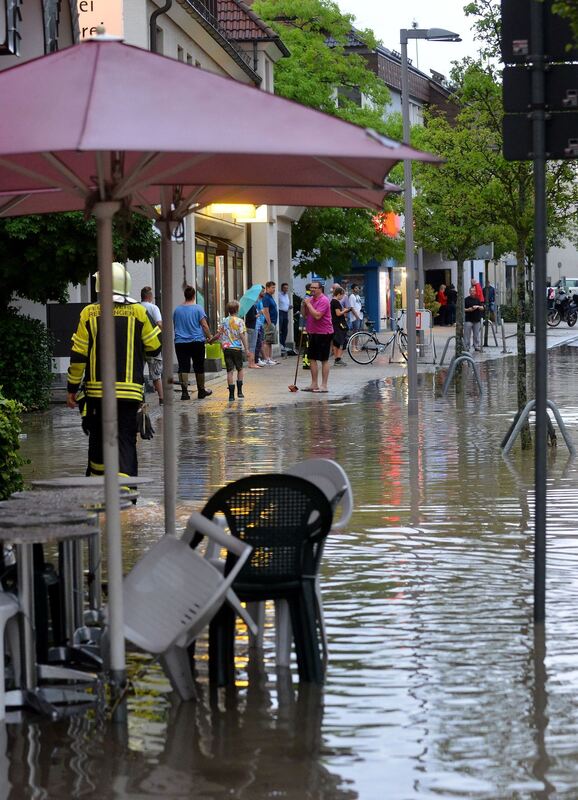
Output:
x=355 y=306
x=233 y=337
x=473 y=311
x=271 y=315
x=474 y=284
x=259 y=329
x=452 y=297
x=317 y=312
x=250 y=322
x=338 y=318
x=442 y=299
x=490 y=300
x=191 y=334
x=136 y=338
x=285 y=307
x=155 y=363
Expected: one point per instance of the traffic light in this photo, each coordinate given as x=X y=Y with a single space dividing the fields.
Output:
x=560 y=81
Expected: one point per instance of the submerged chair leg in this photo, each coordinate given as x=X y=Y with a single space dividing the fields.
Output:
x=304 y=622
x=222 y=647
x=257 y=612
x=283 y=633
x=176 y=662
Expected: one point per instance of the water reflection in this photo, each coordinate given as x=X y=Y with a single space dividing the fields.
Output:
x=437 y=685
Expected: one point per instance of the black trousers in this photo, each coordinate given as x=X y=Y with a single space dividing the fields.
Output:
x=283 y=326
x=191 y=351
x=127 y=431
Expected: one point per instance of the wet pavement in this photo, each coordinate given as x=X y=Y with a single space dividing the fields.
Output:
x=437 y=685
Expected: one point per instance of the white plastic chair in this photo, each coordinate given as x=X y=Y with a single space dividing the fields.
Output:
x=332 y=479
x=172 y=594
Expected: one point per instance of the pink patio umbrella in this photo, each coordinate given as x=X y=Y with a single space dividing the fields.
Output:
x=96 y=126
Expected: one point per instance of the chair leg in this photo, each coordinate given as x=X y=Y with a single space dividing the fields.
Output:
x=321 y=620
x=303 y=620
x=283 y=633
x=176 y=663
x=13 y=642
x=257 y=612
x=222 y=647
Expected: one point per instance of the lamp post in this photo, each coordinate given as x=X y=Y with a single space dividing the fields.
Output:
x=432 y=35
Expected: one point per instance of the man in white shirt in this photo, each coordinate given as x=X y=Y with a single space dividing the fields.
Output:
x=355 y=308
x=284 y=307
x=155 y=363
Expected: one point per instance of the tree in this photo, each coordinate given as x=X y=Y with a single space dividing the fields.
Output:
x=478 y=196
x=323 y=74
x=41 y=255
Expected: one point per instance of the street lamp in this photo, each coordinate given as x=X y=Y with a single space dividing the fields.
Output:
x=432 y=35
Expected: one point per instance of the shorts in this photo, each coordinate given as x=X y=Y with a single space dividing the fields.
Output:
x=251 y=338
x=233 y=359
x=339 y=337
x=270 y=334
x=356 y=325
x=319 y=346
x=155 y=367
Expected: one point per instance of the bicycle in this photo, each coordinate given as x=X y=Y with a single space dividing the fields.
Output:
x=364 y=346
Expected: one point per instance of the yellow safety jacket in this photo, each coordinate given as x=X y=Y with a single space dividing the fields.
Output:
x=135 y=336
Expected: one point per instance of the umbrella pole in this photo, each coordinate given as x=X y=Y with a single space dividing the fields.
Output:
x=104 y=212
x=169 y=431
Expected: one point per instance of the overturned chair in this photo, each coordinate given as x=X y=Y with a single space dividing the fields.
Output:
x=285 y=519
x=172 y=594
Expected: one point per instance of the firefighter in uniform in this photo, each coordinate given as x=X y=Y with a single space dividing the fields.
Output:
x=135 y=336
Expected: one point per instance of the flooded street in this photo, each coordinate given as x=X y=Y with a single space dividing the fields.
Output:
x=437 y=686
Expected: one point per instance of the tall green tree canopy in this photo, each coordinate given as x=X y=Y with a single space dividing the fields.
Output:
x=323 y=74
x=41 y=255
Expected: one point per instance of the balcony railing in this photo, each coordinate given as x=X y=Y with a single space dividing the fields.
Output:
x=207 y=11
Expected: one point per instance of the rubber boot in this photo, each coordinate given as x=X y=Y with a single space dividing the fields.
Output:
x=239 y=389
x=231 y=391
x=201 y=391
x=184 y=381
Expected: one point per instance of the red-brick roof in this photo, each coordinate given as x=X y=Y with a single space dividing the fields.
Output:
x=241 y=23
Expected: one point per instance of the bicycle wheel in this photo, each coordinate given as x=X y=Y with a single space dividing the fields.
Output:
x=554 y=318
x=363 y=347
x=402 y=344
x=571 y=318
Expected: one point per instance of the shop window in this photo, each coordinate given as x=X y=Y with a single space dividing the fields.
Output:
x=10 y=28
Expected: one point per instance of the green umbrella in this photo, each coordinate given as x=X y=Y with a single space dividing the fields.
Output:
x=249 y=298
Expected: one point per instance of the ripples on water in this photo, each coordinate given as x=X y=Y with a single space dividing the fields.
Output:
x=437 y=686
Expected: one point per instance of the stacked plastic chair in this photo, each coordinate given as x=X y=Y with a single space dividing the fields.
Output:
x=285 y=519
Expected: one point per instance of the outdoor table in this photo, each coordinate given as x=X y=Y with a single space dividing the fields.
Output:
x=23 y=528
x=90 y=497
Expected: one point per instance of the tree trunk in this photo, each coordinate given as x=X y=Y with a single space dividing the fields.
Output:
x=526 y=438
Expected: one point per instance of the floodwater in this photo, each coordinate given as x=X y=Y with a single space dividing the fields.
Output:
x=437 y=685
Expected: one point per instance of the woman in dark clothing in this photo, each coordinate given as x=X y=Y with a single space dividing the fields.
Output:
x=452 y=296
x=338 y=317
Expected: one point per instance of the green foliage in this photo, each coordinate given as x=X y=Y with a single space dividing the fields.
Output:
x=429 y=300
x=321 y=73
x=10 y=460
x=329 y=239
x=510 y=314
x=25 y=359
x=41 y=255
x=316 y=34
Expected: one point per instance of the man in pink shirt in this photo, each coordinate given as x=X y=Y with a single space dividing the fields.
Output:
x=317 y=313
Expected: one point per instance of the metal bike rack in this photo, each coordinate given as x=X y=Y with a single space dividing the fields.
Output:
x=452 y=369
x=520 y=420
x=445 y=350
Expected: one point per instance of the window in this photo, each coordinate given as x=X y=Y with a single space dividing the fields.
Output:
x=180 y=54
x=189 y=59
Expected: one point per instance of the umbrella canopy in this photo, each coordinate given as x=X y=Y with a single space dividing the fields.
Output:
x=92 y=127
x=62 y=113
x=249 y=299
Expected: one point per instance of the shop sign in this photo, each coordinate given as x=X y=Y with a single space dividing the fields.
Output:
x=95 y=13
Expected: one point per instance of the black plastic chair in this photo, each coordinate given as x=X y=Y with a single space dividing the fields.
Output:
x=284 y=518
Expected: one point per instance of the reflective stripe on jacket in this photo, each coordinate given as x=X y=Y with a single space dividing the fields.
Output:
x=135 y=337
